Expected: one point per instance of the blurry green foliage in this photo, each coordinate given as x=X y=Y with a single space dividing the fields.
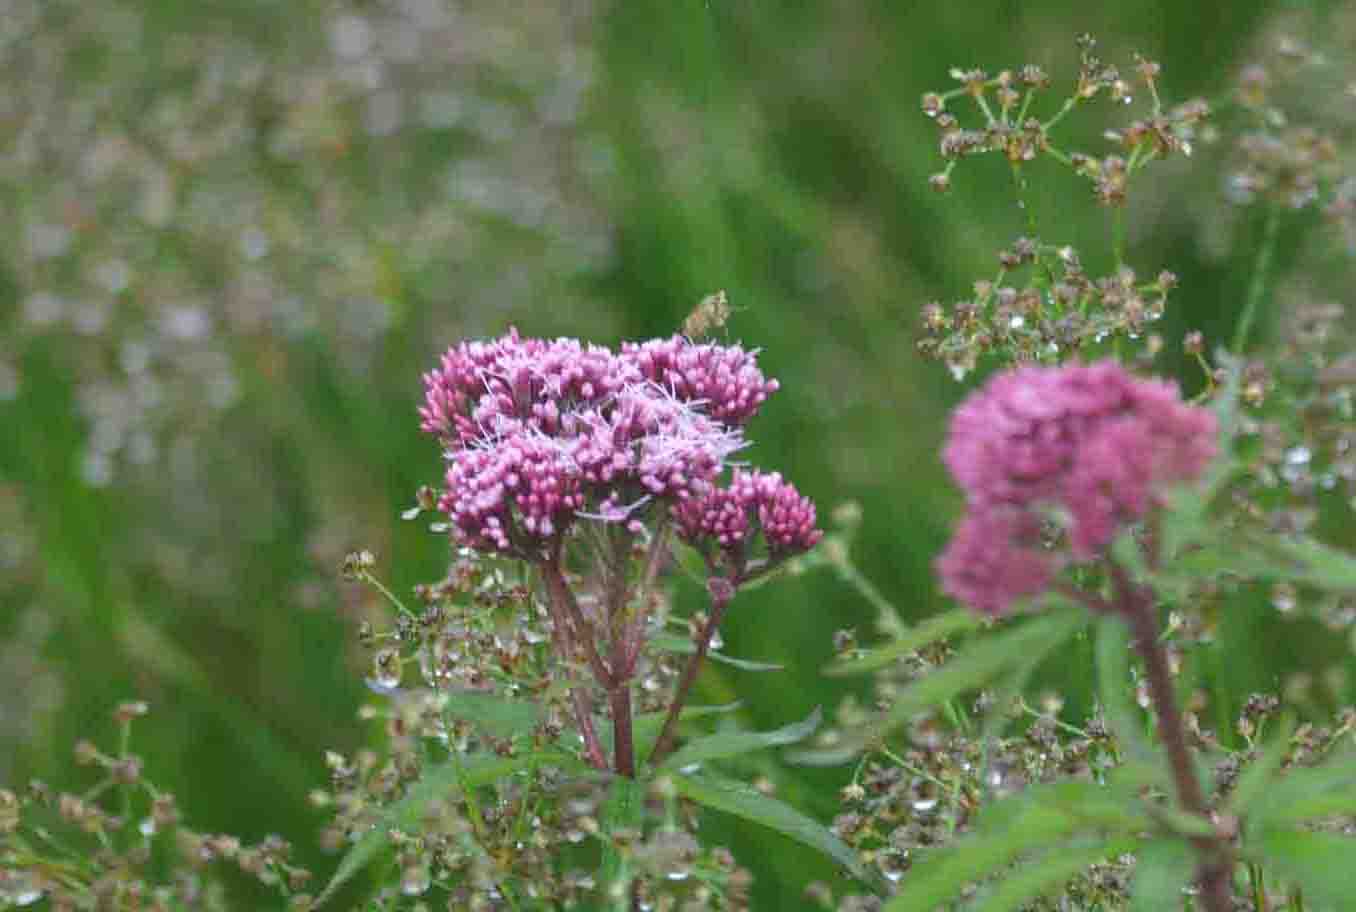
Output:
x=239 y=232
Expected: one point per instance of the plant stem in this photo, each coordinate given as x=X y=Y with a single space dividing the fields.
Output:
x=567 y=607
x=593 y=748
x=557 y=597
x=1258 y=283
x=625 y=752
x=620 y=661
x=722 y=591
x=1215 y=867
x=386 y=593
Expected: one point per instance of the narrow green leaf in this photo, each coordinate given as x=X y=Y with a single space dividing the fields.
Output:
x=1183 y=823
x=1050 y=871
x=625 y=807
x=1007 y=829
x=941 y=876
x=435 y=783
x=735 y=798
x=690 y=561
x=1019 y=648
x=929 y=631
x=672 y=642
x=1321 y=863
x=1114 y=686
x=1135 y=775
x=498 y=715
x=1115 y=806
x=648 y=725
x=1307 y=794
x=983 y=660
x=1162 y=869
x=1320 y=565
x=1297 y=559
x=1260 y=772
x=734 y=744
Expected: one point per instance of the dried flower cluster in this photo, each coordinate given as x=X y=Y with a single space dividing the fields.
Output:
x=1277 y=155
x=1010 y=128
x=1091 y=446
x=1056 y=313
x=74 y=852
x=1060 y=311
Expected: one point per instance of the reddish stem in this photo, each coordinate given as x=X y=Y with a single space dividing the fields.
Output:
x=620 y=660
x=722 y=591
x=625 y=751
x=1215 y=867
x=557 y=601
x=583 y=717
x=565 y=605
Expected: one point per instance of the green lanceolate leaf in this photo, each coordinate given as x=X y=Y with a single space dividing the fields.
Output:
x=671 y=642
x=734 y=744
x=1260 y=772
x=941 y=876
x=1113 y=685
x=1306 y=794
x=929 y=631
x=497 y=715
x=648 y=725
x=1015 y=649
x=1317 y=564
x=1036 y=819
x=726 y=796
x=1047 y=873
x=983 y=660
x=1295 y=559
x=452 y=778
x=1321 y=863
x=1162 y=869
x=690 y=561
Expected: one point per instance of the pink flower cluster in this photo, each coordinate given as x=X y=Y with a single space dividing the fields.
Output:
x=726 y=515
x=1089 y=444
x=539 y=433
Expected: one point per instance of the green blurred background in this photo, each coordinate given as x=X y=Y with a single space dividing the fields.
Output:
x=237 y=231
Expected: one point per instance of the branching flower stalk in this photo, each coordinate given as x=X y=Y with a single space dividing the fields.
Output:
x=722 y=592
x=583 y=463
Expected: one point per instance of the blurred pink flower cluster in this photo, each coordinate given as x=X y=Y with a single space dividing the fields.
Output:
x=540 y=433
x=1090 y=446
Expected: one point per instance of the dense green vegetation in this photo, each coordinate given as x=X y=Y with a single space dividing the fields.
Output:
x=239 y=232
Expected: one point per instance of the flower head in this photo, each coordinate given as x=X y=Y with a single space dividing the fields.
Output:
x=753 y=502
x=1090 y=443
x=725 y=378
x=538 y=433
